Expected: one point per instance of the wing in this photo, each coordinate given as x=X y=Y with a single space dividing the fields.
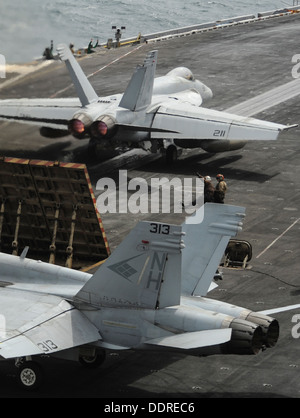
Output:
x=185 y=121
x=33 y=324
x=267 y=100
x=52 y=113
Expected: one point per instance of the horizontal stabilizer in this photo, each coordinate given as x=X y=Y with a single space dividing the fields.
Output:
x=52 y=113
x=194 y=340
x=205 y=244
x=83 y=87
x=138 y=94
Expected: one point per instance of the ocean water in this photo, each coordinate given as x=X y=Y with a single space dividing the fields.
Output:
x=27 y=27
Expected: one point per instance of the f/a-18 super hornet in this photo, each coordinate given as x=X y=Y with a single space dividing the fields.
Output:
x=163 y=113
x=150 y=294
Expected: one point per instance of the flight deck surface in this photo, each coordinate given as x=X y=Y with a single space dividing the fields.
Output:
x=238 y=63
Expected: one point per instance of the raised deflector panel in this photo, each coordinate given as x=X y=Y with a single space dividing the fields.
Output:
x=50 y=207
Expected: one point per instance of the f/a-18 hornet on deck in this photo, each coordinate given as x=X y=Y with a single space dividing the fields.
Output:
x=163 y=113
x=150 y=294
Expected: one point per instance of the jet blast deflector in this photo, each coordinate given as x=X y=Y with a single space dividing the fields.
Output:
x=50 y=207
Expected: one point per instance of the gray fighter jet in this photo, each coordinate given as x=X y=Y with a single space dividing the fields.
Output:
x=150 y=294
x=163 y=113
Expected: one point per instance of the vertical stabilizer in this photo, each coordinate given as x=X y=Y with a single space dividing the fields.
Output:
x=138 y=94
x=83 y=87
x=144 y=270
x=205 y=244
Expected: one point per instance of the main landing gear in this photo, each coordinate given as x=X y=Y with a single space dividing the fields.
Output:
x=30 y=374
x=92 y=359
x=172 y=152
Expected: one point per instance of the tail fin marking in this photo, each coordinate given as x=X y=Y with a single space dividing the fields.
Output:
x=144 y=271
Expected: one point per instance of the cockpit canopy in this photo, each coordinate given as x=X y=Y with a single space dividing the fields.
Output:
x=182 y=72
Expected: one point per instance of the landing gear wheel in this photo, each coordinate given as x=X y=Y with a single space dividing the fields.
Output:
x=30 y=375
x=171 y=154
x=92 y=362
